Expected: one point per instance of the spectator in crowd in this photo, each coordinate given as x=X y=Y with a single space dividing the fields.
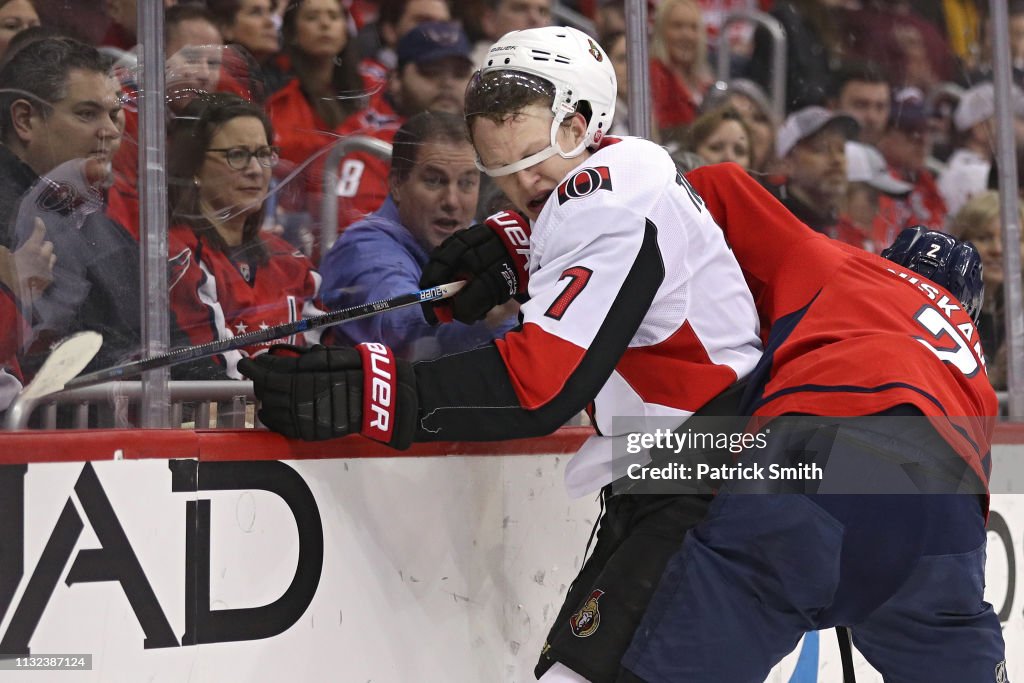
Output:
x=869 y=181
x=432 y=73
x=718 y=136
x=982 y=61
x=614 y=45
x=434 y=184
x=812 y=30
x=941 y=104
x=326 y=88
x=194 y=49
x=377 y=41
x=501 y=16
x=62 y=120
x=24 y=275
x=906 y=46
x=906 y=146
x=960 y=23
x=15 y=17
x=58 y=102
x=610 y=18
x=811 y=147
x=679 y=71
x=252 y=25
x=120 y=33
x=749 y=101
x=978 y=222
x=967 y=171
x=226 y=276
x=861 y=90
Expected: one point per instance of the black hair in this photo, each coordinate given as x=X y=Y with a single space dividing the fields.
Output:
x=178 y=14
x=863 y=71
x=188 y=140
x=420 y=129
x=37 y=71
x=347 y=93
x=224 y=11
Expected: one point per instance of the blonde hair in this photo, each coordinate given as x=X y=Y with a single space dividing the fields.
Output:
x=700 y=69
x=971 y=221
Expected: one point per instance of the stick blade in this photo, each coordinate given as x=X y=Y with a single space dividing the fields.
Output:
x=68 y=358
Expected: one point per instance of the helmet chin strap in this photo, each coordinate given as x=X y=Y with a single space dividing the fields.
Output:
x=551 y=150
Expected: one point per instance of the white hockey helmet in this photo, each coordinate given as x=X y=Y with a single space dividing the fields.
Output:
x=575 y=65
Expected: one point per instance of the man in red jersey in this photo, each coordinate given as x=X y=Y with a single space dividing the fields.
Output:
x=846 y=334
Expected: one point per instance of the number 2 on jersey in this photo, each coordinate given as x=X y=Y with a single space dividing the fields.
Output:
x=578 y=278
x=946 y=341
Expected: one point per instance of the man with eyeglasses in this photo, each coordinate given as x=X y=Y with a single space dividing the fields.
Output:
x=433 y=69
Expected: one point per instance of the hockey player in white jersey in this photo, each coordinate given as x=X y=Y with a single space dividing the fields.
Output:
x=633 y=308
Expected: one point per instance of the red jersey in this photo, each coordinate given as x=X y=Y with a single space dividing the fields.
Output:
x=923 y=206
x=215 y=295
x=14 y=331
x=846 y=332
x=674 y=104
x=298 y=130
x=304 y=138
x=363 y=178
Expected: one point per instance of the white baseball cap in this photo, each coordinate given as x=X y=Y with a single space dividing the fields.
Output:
x=978 y=104
x=802 y=124
x=865 y=164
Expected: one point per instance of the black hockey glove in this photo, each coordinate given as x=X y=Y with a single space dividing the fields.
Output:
x=326 y=392
x=493 y=256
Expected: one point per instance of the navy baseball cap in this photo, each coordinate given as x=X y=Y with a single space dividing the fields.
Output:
x=909 y=113
x=433 y=40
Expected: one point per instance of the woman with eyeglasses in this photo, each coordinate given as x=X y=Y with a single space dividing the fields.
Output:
x=226 y=277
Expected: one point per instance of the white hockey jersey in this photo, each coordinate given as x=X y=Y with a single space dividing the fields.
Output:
x=637 y=309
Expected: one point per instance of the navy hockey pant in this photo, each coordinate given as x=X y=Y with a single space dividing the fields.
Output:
x=904 y=571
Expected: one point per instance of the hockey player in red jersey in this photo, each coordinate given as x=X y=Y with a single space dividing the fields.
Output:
x=636 y=309
x=900 y=558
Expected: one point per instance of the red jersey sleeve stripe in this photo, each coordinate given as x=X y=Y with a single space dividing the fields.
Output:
x=539 y=364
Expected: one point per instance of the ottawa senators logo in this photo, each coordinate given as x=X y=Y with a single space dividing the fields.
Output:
x=594 y=51
x=585 y=183
x=586 y=620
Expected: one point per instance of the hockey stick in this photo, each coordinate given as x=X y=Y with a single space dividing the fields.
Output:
x=188 y=353
x=68 y=358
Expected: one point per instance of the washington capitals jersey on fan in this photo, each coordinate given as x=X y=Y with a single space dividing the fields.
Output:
x=846 y=332
x=362 y=177
x=215 y=296
x=636 y=307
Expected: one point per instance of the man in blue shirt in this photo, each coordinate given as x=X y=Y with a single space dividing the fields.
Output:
x=434 y=186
